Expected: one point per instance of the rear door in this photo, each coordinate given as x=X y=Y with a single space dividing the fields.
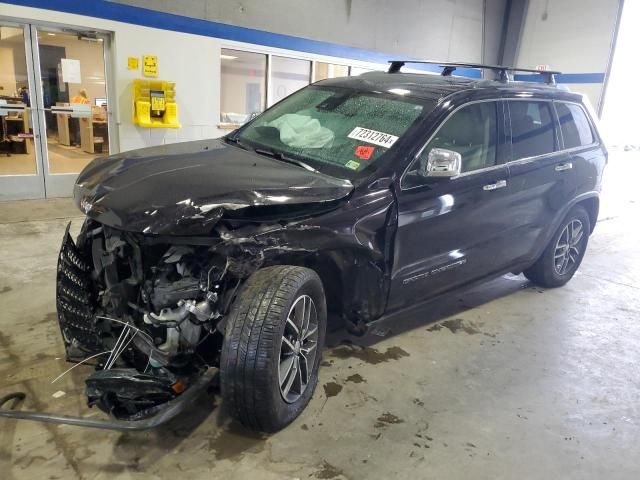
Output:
x=541 y=178
x=449 y=228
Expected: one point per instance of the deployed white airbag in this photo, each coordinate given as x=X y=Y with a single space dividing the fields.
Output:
x=302 y=131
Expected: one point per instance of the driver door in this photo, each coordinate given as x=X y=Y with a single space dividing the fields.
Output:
x=450 y=230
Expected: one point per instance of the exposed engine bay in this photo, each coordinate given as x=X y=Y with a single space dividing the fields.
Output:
x=144 y=293
x=148 y=313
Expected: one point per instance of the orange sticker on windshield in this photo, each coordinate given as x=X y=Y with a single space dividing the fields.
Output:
x=364 y=152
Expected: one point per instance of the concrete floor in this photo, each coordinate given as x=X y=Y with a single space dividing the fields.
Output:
x=512 y=382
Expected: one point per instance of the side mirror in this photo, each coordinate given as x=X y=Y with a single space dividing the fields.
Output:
x=441 y=163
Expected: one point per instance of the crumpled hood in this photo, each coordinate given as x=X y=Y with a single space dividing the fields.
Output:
x=185 y=188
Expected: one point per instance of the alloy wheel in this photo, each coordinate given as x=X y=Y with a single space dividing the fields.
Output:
x=567 y=251
x=298 y=348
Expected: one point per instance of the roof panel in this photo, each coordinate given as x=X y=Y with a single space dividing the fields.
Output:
x=436 y=86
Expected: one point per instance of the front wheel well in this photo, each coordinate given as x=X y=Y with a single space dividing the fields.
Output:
x=325 y=265
x=331 y=279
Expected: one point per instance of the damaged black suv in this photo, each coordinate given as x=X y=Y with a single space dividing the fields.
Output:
x=357 y=197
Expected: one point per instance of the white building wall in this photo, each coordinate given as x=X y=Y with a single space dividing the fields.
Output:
x=431 y=29
x=192 y=61
x=573 y=36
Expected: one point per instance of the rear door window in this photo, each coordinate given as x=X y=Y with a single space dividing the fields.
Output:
x=574 y=125
x=532 y=131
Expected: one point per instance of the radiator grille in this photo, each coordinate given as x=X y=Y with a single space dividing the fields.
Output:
x=74 y=300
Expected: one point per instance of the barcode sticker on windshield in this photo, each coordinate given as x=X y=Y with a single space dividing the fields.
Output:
x=372 y=136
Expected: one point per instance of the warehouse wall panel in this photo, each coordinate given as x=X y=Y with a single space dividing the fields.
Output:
x=574 y=36
x=434 y=29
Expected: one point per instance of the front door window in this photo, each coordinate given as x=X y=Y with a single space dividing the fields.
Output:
x=472 y=132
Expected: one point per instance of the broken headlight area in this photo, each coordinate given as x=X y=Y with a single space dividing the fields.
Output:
x=127 y=394
x=143 y=311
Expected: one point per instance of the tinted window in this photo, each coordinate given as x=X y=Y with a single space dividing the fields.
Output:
x=574 y=125
x=471 y=132
x=532 y=131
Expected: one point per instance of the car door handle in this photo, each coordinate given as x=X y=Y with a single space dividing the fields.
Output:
x=495 y=186
x=564 y=166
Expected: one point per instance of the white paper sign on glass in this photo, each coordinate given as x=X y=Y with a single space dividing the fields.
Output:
x=70 y=70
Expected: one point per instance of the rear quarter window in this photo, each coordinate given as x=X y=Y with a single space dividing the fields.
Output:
x=574 y=125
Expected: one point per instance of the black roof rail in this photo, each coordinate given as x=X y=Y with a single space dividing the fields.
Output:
x=503 y=72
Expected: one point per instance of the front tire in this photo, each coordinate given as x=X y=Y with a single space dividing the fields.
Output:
x=562 y=257
x=272 y=347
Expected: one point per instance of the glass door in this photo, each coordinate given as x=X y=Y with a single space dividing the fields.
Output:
x=72 y=103
x=54 y=114
x=21 y=172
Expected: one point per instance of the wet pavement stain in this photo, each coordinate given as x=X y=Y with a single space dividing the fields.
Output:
x=356 y=378
x=455 y=325
x=368 y=354
x=387 y=419
x=331 y=389
x=328 y=471
x=63 y=447
x=51 y=317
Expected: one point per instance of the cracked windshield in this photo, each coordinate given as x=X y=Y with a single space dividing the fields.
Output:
x=338 y=131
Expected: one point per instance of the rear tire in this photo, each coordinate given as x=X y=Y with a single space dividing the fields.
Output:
x=562 y=257
x=272 y=347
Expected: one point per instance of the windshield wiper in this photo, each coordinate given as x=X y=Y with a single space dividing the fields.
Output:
x=282 y=157
x=237 y=142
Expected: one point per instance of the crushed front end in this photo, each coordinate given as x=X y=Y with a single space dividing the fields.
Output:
x=143 y=311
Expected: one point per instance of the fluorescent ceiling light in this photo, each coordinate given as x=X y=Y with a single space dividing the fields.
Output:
x=51 y=34
x=227 y=57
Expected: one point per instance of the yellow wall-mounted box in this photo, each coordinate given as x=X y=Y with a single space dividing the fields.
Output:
x=154 y=104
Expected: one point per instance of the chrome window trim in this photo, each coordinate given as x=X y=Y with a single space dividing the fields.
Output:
x=534 y=158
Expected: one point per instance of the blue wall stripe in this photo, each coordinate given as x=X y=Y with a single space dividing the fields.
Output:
x=565 y=78
x=177 y=23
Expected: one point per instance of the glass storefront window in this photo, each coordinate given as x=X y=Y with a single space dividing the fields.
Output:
x=242 y=85
x=287 y=76
x=330 y=70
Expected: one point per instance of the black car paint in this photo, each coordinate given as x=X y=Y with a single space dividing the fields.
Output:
x=378 y=247
x=185 y=188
